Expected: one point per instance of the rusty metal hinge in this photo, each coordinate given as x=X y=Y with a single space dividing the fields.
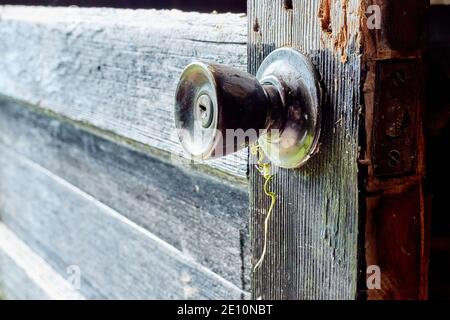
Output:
x=395 y=117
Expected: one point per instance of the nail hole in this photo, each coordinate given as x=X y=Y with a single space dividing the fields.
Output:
x=256 y=26
x=288 y=4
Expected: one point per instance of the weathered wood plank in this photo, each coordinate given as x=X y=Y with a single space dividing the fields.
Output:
x=116 y=257
x=204 y=218
x=24 y=275
x=313 y=234
x=440 y=2
x=237 y=6
x=15 y=283
x=115 y=69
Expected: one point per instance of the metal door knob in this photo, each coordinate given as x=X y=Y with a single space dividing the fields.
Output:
x=220 y=110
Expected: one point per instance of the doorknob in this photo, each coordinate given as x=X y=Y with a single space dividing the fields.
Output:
x=220 y=110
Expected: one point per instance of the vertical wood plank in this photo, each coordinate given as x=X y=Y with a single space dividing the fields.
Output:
x=313 y=234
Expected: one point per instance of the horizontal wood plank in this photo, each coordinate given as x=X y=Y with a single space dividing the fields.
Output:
x=116 y=258
x=25 y=275
x=15 y=284
x=115 y=69
x=202 y=217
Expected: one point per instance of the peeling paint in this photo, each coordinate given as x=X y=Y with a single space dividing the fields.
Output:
x=337 y=31
x=342 y=38
x=325 y=16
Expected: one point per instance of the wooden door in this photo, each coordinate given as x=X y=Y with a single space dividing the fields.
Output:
x=359 y=202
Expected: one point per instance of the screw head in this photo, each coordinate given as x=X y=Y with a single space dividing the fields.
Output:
x=394 y=158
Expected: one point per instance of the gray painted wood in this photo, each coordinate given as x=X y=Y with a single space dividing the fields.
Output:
x=25 y=275
x=313 y=235
x=204 y=218
x=15 y=283
x=115 y=69
x=117 y=258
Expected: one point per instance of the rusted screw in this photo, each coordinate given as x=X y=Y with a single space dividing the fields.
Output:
x=399 y=78
x=394 y=158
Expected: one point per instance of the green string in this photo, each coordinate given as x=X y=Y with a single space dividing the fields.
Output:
x=264 y=169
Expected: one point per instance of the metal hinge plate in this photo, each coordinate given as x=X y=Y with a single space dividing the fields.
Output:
x=395 y=117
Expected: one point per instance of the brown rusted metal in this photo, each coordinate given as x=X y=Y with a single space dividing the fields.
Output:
x=393 y=149
x=403 y=22
x=394 y=133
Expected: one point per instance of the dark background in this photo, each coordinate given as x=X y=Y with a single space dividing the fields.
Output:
x=438 y=153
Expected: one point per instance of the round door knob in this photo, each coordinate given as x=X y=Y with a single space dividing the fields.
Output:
x=220 y=110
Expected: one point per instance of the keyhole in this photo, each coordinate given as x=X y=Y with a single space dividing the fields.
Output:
x=205 y=110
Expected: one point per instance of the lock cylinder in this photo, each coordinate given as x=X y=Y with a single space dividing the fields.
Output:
x=212 y=101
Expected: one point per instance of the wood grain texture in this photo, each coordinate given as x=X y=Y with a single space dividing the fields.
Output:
x=206 y=219
x=25 y=275
x=117 y=258
x=15 y=283
x=115 y=69
x=313 y=233
x=442 y=2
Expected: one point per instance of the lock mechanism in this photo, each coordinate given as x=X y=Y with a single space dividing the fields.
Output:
x=220 y=110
